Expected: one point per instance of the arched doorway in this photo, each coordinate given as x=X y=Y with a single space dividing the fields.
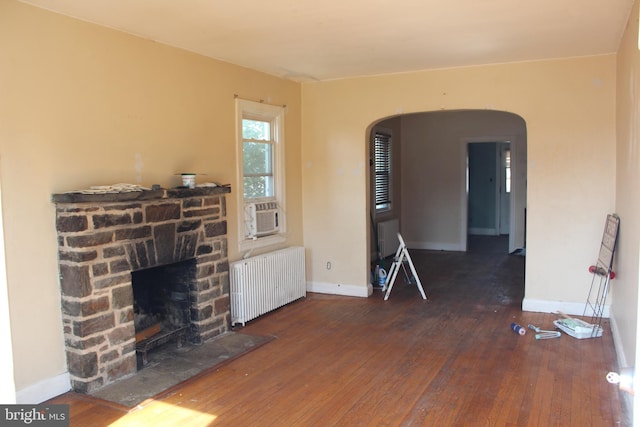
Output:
x=429 y=178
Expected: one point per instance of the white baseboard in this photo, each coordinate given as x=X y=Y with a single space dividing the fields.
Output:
x=567 y=307
x=617 y=342
x=621 y=357
x=483 y=231
x=340 y=289
x=435 y=246
x=44 y=390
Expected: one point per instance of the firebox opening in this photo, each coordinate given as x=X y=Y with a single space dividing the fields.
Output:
x=161 y=304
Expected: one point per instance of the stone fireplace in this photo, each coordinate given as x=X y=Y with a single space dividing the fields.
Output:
x=106 y=239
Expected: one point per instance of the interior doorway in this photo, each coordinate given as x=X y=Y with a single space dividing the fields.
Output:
x=429 y=179
x=489 y=189
x=496 y=190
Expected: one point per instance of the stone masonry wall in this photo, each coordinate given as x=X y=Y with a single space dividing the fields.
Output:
x=102 y=238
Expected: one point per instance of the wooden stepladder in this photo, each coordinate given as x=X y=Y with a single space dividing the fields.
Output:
x=398 y=262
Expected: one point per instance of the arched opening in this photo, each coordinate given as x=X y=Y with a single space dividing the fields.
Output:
x=434 y=160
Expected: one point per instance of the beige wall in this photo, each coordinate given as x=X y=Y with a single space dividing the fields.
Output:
x=83 y=105
x=569 y=109
x=624 y=288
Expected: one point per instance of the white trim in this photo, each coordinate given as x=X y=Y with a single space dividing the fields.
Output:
x=617 y=341
x=372 y=148
x=44 y=390
x=507 y=139
x=340 y=289
x=498 y=187
x=568 y=307
x=464 y=196
x=502 y=193
x=516 y=154
x=483 y=231
x=260 y=242
x=275 y=114
x=7 y=379
x=620 y=356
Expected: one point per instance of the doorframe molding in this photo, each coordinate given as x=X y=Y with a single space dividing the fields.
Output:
x=501 y=192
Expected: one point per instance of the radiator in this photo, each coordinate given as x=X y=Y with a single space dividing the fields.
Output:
x=265 y=282
x=388 y=237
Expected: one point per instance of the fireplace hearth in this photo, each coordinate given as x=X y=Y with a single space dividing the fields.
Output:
x=171 y=244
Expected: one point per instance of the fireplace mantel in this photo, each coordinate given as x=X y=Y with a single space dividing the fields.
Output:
x=103 y=238
x=145 y=195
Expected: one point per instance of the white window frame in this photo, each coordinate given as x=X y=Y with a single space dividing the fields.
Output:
x=275 y=115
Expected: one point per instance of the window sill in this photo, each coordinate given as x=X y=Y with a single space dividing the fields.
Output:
x=262 y=242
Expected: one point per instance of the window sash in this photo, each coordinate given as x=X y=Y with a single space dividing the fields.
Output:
x=258 y=159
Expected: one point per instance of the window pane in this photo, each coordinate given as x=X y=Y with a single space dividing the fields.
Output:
x=258 y=186
x=258 y=170
x=257 y=158
x=256 y=129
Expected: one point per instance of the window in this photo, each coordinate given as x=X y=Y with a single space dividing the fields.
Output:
x=260 y=130
x=507 y=170
x=257 y=158
x=382 y=168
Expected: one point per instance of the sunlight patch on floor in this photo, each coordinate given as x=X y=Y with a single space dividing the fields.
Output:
x=164 y=414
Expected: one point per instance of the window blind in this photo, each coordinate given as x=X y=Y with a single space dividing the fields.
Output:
x=382 y=162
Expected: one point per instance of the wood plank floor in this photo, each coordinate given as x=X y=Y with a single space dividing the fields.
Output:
x=448 y=361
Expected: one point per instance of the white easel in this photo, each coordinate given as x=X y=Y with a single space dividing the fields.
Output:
x=398 y=260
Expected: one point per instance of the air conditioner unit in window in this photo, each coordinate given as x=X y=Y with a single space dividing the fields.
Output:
x=262 y=219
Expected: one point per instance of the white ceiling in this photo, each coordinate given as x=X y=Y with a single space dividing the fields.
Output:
x=308 y=40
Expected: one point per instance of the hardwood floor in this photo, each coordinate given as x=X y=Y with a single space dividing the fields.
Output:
x=449 y=361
